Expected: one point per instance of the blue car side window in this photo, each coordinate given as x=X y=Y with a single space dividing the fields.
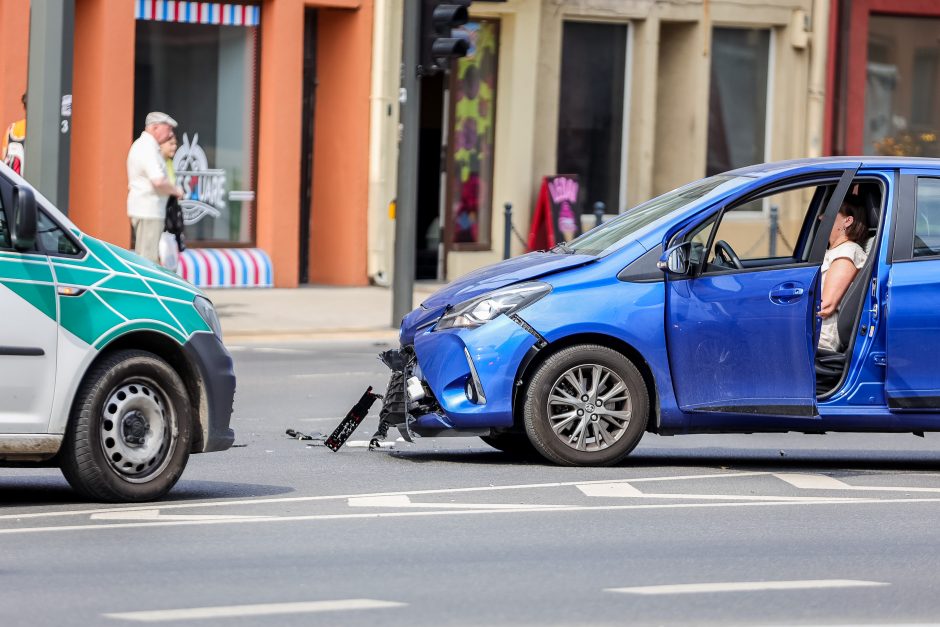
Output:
x=763 y=231
x=927 y=225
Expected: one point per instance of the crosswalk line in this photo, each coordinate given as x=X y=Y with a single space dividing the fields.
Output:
x=261 y=609
x=747 y=586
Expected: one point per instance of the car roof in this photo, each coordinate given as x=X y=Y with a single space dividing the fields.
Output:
x=762 y=169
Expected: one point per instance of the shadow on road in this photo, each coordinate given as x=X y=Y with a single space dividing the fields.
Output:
x=725 y=458
x=26 y=491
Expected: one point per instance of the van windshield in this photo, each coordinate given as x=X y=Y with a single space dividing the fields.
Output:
x=614 y=234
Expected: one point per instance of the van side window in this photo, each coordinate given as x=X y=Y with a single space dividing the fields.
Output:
x=4 y=231
x=927 y=226
x=52 y=239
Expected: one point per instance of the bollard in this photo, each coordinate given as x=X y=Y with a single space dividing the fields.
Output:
x=599 y=210
x=507 y=229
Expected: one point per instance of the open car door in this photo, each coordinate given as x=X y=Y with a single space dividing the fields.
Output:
x=741 y=330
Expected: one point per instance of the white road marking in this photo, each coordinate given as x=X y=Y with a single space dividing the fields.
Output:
x=824 y=482
x=812 y=482
x=748 y=586
x=331 y=497
x=625 y=490
x=616 y=489
x=454 y=512
x=261 y=609
x=156 y=514
x=402 y=500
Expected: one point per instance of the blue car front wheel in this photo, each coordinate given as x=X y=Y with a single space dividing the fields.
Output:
x=586 y=405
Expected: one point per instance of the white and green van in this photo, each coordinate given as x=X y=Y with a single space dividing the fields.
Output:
x=111 y=368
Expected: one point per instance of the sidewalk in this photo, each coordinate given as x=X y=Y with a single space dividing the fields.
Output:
x=314 y=312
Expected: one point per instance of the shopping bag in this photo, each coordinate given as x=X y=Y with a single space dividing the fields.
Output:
x=169 y=251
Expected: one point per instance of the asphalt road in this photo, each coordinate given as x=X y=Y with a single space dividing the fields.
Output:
x=730 y=530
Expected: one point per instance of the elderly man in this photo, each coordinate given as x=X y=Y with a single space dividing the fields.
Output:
x=148 y=186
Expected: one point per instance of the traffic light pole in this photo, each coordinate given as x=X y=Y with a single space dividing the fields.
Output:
x=406 y=209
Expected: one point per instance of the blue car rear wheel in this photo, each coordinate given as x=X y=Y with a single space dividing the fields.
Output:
x=586 y=405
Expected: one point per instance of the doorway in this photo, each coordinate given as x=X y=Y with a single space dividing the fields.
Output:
x=429 y=260
x=306 y=142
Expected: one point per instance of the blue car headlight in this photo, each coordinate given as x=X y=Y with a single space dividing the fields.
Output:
x=207 y=312
x=480 y=310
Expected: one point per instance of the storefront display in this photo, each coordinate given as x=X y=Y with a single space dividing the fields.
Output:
x=470 y=168
x=198 y=61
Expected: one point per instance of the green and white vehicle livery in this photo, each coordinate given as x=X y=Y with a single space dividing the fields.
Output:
x=111 y=368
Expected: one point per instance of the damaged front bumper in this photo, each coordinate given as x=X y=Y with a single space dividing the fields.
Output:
x=455 y=382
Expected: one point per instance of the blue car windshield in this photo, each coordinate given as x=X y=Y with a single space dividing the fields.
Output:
x=617 y=232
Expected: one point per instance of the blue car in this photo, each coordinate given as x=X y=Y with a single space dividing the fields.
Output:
x=695 y=312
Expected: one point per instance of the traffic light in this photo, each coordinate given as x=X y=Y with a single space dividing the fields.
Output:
x=438 y=45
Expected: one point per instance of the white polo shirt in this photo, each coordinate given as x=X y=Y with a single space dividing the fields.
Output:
x=145 y=165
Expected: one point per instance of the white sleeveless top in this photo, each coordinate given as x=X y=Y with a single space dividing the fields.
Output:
x=829 y=335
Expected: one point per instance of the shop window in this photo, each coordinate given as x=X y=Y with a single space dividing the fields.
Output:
x=590 y=111
x=737 y=108
x=902 y=88
x=472 y=138
x=205 y=76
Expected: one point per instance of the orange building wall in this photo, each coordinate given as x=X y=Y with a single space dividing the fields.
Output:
x=338 y=246
x=102 y=118
x=14 y=55
x=279 y=130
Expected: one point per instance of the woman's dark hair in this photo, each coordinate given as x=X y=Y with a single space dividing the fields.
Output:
x=858 y=230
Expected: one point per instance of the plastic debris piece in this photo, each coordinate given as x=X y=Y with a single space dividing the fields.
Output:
x=352 y=420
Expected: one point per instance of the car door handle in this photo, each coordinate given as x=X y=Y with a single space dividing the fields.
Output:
x=786 y=293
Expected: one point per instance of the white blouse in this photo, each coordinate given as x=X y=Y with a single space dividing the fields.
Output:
x=829 y=335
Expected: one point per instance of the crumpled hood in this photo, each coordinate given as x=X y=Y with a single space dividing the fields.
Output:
x=487 y=279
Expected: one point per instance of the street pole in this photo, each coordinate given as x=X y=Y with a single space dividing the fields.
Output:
x=49 y=99
x=407 y=196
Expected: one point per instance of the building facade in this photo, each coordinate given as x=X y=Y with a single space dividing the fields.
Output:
x=634 y=97
x=272 y=100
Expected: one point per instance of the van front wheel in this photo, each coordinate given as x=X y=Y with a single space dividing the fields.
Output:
x=129 y=433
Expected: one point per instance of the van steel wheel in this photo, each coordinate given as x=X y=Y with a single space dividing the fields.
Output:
x=586 y=405
x=129 y=434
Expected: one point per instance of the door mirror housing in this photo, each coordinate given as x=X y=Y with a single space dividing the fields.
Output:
x=23 y=229
x=676 y=260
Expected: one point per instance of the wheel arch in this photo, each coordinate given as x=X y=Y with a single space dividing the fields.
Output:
x=172 y=352
x=534 y=359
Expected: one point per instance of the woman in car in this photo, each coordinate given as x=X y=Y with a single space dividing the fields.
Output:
x=844 y=258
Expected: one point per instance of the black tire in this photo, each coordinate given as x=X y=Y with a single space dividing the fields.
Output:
x=130 y=430
x=515 y=444
x=599 y=435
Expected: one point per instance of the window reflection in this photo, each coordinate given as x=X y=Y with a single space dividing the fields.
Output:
x=737 y=111
x=901 y=94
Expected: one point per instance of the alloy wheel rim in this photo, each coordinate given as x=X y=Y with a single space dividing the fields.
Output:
x=138 y=430
x=589 y=408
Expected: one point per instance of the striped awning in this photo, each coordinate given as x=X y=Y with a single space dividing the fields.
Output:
x=198 y=12
x=226 y=267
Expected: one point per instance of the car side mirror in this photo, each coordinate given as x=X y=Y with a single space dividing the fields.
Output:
x=676 y=260
x=23 y=230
